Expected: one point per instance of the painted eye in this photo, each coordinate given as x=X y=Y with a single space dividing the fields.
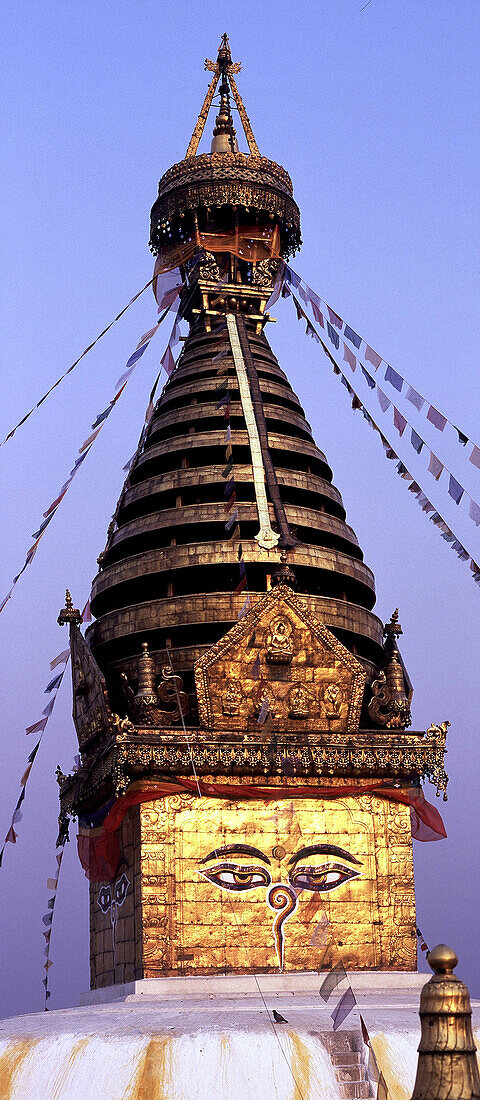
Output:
x=120 y=889
x=232 y=876
x=105 y=899
x=320 y=879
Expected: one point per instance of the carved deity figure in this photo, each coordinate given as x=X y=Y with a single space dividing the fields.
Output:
x=280 y=642
x=332 y=701
x=300 y=702
x=232 y=699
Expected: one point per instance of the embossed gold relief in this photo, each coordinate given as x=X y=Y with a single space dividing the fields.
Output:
x=281 y=650
x=237 y=886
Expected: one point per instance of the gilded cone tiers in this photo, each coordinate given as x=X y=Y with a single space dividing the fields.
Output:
x=170 y=570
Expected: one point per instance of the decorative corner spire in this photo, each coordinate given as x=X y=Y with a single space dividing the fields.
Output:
x=393 y=629
x=69 y=613
x=284 y=573
x=223 y=67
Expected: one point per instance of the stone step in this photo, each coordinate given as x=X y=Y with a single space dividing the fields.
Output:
x=361 y=1089
x=341 y=1041
x=346 y=1057
x=346 y=1074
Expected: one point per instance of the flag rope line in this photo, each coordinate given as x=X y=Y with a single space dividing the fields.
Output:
x=80 y=357
x=47 y=919
x=84 y=449
x=396 y=380
x=455 y=490
x=437 y=519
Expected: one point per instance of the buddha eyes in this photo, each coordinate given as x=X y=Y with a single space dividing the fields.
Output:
x=321 y=879
x=231 y=876
x=237 y=877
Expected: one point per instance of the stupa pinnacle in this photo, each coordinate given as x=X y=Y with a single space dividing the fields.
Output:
x=224 y=711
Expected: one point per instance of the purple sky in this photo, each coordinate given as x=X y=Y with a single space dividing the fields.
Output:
x=375 y=115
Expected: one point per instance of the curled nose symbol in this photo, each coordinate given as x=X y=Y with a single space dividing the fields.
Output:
x=283 y=899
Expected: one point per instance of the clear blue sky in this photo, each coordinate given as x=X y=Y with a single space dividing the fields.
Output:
x=375 y=115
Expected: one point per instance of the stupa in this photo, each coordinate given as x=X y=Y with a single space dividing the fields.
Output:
x=248 y=775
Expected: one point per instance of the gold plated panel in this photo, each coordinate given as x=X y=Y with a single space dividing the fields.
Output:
x=234 y=886
x=280 y=651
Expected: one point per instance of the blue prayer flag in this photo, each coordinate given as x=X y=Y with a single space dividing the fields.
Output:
x=395 y=379
x=334 y=337
x=354 y=338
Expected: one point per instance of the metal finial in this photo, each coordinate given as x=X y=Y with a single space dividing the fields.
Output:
x=443 y=960
x=69 y=613
x=447 y=1060
x=393 y=628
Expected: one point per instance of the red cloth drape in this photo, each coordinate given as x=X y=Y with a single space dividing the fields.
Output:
x=99 y=849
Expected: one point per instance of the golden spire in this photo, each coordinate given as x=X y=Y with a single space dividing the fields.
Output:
x=69 y=613
x=224 y=139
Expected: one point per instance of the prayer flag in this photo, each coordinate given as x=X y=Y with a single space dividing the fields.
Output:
x=52 y=883
x=61 y=659
x=372 y=357
x=319 y=935
x=474 y=512
x=417 y=443
x=460 y=550
x=414 y=488
x=47 y=919
x=349 y=357
x=25 y=775
x=223 y=400
x=235 y=533
x=228 y=434
x=226 y=412
x=233 y=518
x=229 y=487
x=383 y=400
x=415 y=398
x=293 y=278
x=317 y=313
x=37 y=726
x=436 y=418
x=88 y=442
x=256 y=667
x=334 y=337
x=244 y=608
x=455 y=490
x=344 y=1007
x=240 y=586
x=435 y=466
x=365 y=1035
x=304 y=296
x=395 y=379
x=475 y=456
x=462 y=438
x=60 y=497
x=354 y=338
x=368 y=378
x=241 y=564
x=53 y=683
x=229 y=503
x=167 y=360
x=399 y=421
x=11 y=837
x=49 y=707
x=298 y=308
x=334 y=318
x=86 y=613
x=34 y=751
x=264 y=709
x=228 y=468
x=336 y=975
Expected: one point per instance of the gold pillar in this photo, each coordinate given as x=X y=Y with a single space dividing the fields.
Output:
x=447 y=1065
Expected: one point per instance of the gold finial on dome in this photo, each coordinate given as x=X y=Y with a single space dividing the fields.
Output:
x=224 y=139
x=447 y=1060
x=69 y=613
